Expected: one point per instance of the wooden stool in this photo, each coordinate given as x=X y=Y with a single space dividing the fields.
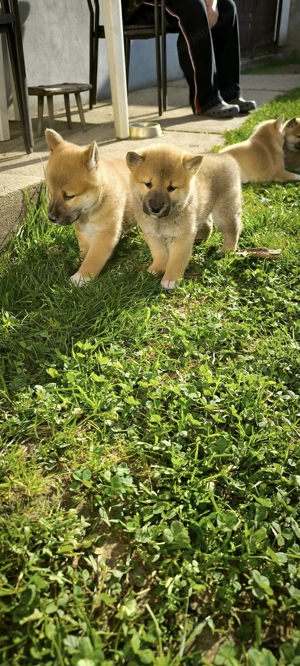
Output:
x=64 y=89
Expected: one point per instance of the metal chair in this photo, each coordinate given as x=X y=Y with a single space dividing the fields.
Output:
x=156 y=29
x=11 y=27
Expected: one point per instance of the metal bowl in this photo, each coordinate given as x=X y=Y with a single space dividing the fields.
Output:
x=144 y=130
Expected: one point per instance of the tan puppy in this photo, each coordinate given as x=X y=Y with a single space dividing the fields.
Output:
x=292 y=144
x=92 y=194
x=261 y=157
x=173 y=199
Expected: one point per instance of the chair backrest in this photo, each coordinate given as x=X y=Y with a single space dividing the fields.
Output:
x=7 y=17
x=142 y=18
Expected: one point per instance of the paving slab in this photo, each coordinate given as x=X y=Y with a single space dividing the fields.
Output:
x=20 y=172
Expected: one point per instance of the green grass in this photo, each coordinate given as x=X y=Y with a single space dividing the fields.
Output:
x=150 y=451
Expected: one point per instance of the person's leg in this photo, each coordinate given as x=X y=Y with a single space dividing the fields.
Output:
x=226 y=43
x=195 y=52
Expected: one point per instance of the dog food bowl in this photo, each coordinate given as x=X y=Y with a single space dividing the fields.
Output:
x=144 y=130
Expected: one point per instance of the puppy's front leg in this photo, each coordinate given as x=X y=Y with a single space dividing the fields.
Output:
x=98 y=253
x=231 y=227
x=179 y=255
x=83 y=243
x=159 y=252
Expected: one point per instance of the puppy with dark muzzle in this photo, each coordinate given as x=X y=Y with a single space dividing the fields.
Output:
x=291 y=146
x=90 y=193
x=174 y=194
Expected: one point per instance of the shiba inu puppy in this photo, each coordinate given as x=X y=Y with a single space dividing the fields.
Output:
x=90 y=193
x=174 y=193
x=261 y=157
x=291 y=145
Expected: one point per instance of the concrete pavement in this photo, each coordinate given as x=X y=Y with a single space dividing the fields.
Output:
x=21 y=173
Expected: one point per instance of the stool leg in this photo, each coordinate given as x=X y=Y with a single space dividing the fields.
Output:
x=50 y=110
x=68 y=110
x=40 y=115
x=80 y=110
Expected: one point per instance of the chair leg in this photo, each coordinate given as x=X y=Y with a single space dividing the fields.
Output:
x=127 y=45
x=158 y=58
x=24 y=108
x=91 y=52
x=95 y=50
x=95 y=70
x=163 y=55
x=15 y=46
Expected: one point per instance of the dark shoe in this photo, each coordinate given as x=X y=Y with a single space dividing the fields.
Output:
x=222 y=110
x=245 y=106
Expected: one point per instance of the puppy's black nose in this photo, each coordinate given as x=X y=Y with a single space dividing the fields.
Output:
x=52 y=218
x=155 y=208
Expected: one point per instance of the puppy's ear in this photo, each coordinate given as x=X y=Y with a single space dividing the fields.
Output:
x=91 y=156
x=279 y=123
x=53 y=139
x=134 y=159
x=291 y=123
x=192 y=162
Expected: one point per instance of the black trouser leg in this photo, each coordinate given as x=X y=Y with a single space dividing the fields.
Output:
x=196 y=53
x=226 y=43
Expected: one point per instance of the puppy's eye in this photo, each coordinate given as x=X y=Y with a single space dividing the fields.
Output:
x=68 y=197
x=148 y=184
x=171 y=188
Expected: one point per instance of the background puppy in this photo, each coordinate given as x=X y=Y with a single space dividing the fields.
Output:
x=261 y=157
x=90 y=193
x=173 y=197
x=292 y=144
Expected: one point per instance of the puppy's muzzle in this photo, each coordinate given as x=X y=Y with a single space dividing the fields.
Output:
x=58 y=215
x=157 y=203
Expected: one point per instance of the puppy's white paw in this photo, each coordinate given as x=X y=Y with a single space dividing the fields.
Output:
x=168 y=284
x=79 y=279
